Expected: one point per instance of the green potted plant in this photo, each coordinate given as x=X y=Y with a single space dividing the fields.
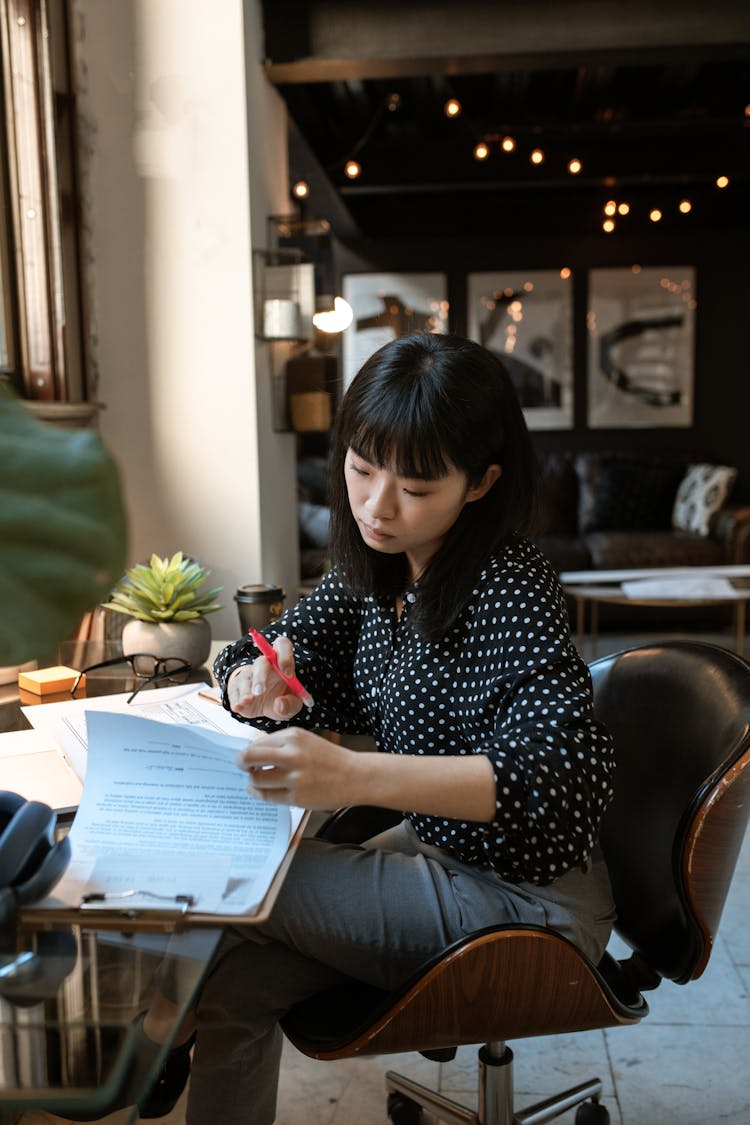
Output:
x=168 y=607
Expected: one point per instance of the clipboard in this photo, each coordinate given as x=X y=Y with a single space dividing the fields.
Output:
x=109 y=915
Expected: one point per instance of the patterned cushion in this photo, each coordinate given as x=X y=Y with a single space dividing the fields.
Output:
x=702 y=492
x=629 y=494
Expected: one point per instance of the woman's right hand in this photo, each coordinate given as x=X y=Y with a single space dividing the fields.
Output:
x=256 y=690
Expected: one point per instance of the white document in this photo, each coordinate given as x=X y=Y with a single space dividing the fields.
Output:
x=195 y=704
x=34 y=766
x=687 y=588
x=165 y=820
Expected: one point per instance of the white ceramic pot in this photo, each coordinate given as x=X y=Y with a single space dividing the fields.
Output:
x=190 y=640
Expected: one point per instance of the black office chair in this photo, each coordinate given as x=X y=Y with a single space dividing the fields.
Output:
x=679 y=712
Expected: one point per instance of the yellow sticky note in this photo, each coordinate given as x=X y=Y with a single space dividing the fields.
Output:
x=47 y=681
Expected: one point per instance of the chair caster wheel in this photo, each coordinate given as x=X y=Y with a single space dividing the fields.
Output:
x=402 y=1110
x=592 y=1113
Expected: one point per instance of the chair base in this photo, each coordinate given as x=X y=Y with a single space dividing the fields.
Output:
x=495 y=1062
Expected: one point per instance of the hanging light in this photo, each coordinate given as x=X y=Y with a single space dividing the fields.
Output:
x=685 y=206
x=623 y=208
x=481 y=151
x=608 y=226
x=722 y=181
x=352 y=169
x=452 y=107
x=333 y=319
x=536 y=156
x=655 y=215
x=301 y=189
x=574 y=166
x=508 y=144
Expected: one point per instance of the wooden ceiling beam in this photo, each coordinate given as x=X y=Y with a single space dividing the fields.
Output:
x=329 y=40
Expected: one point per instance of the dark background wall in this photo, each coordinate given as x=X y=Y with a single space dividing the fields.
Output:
x=722 y=327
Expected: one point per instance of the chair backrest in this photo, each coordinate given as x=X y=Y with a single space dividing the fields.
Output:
x=679 y=713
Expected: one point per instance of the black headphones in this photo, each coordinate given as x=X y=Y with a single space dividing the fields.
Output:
x=31 y=863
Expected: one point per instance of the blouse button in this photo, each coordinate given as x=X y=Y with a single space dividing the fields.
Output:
x=411 y=597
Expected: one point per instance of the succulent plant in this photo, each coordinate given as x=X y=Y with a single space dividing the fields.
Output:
x=164 y=590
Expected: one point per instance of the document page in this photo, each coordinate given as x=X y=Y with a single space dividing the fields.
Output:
x=165 y=822
x=184 y=703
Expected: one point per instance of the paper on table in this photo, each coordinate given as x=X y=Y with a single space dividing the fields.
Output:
x=183 y=703
x=687 y=588
x=164 y=812
x=32 y=765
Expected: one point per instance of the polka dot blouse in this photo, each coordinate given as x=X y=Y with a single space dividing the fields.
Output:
x=506 y=681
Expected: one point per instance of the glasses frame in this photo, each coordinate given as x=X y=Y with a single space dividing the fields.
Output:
x=159 y=673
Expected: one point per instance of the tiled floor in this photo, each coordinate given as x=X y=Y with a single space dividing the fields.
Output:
x=687 y=1063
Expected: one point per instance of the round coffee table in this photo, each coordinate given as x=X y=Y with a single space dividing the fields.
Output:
x=588 y=597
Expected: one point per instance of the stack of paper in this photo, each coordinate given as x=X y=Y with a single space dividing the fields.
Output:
x=680 y=588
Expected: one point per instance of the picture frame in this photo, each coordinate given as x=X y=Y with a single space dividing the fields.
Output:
x=526 y=318
x=641 y=363
x=388 y=305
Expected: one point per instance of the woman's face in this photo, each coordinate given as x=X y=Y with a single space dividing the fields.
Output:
x=407 y=515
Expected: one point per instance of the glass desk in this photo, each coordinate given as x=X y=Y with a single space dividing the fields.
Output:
x=102 y=681
x=67 y=1005
x=68 y=1000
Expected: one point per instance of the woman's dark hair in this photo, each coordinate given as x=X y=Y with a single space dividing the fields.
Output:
x=420 y=406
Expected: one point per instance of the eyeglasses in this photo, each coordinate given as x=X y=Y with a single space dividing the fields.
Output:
x=148 y=668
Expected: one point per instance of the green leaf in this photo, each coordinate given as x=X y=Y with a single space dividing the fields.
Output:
x=62 y=530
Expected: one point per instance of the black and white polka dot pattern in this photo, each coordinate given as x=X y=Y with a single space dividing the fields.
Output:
x=506 y=682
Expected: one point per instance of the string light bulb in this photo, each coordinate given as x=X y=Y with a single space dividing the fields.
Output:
x=452 y=107
x=685 y=206
x=608 y=226
x=654 y=215
x=536 y=156
x=481 y=151
x=352 y=169
x=301 y=189
x=610 y=207
x=722 y=181
x=574 y=166
x=392 y=102
x=508 y=144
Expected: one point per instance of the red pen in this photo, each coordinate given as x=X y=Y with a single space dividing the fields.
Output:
x=272 y=657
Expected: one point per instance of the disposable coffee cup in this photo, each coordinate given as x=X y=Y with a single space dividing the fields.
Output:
x=258 y=605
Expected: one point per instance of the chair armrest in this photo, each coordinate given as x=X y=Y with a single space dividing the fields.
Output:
x=731 y=528
x=356 y=823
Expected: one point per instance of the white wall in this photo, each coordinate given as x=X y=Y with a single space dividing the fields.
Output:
x=184 y=155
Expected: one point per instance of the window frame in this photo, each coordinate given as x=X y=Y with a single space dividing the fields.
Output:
x=40 y=255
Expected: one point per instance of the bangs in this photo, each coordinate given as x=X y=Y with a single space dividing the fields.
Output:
x=417 y=456
x=406 y=428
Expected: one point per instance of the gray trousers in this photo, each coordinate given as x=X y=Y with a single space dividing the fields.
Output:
x=374 y=912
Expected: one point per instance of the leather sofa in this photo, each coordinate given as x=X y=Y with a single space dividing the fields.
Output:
x=602 y=511
x=599 y=511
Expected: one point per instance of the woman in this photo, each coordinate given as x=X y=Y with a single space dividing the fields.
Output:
x=442 y=633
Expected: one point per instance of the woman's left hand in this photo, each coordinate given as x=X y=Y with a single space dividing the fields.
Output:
x=295 y=767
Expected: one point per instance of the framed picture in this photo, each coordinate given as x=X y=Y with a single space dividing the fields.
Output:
x=526 y=318
x=640 y=347
x=387 y=305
